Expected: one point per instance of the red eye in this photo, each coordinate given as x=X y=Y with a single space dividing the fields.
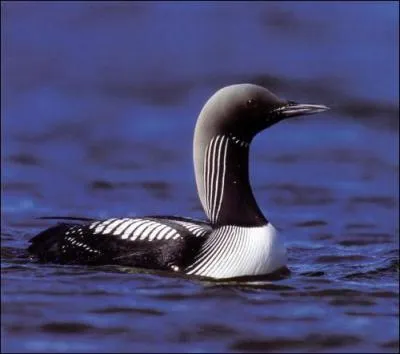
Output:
x=251 y=103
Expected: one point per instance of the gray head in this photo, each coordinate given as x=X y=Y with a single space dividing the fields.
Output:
x=246 y=109
x=226 y=125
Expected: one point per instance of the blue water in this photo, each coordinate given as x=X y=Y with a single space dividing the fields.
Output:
x=99 y=103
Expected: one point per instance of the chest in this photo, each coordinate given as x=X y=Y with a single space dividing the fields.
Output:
x=233 y=251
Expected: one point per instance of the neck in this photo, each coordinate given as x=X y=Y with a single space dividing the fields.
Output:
x=221 y=163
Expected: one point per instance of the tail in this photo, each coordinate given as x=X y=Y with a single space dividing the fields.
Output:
x=46 y=245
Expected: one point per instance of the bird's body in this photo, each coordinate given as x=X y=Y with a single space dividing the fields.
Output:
x=165 y=243
x=236 y=241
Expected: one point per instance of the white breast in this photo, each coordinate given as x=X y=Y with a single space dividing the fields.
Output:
x=233 y=251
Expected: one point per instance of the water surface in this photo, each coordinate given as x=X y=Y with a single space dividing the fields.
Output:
x=99 y=106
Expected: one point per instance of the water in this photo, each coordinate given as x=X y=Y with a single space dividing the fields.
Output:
x=99 y=106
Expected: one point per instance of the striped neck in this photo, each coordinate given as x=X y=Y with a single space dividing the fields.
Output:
x=222 y=176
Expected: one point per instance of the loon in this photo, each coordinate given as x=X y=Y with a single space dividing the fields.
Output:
x=237 y=240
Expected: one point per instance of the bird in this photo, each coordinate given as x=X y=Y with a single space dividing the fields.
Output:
x=235 y=240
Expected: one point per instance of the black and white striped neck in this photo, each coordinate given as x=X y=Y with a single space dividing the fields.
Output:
x=222 y=176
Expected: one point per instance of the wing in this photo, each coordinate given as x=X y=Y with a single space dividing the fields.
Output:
x=165 y=242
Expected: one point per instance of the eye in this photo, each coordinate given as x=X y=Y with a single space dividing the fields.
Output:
x=251 y=103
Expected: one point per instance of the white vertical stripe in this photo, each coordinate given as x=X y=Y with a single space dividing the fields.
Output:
x=195 y=229
x=123 y=226
x=234 y=253
x=147 y=231
x=207 y=251
x=157 y=231
x=162 y=234
x=226 y=254
x=205 y=178
x=208 y=176
x=210 y=256
x=242 y=257
x=214 y=261
x=127 y=233
x=240 y=251
x=209 y=245
x=139 y=230
x=213 y=168
x=199 y=232
x=103 y=225
x=220 y=253
x=229 y=253
x=215 y=183
x=171 y=233
x=93 y=225
x=113 y=225
x=247 y=263
x=214 y=175
x=221 y=193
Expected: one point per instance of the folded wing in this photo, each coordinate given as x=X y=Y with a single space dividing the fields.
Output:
x=165 y=242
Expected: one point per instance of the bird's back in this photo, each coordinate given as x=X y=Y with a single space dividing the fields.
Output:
x=164 y=242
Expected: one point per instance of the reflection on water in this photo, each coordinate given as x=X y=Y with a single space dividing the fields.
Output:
x=101 y=102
